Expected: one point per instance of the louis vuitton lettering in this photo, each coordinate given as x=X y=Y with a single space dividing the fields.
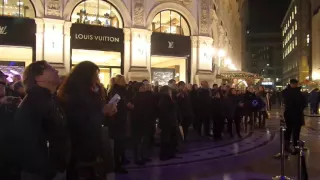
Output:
x=97 y=38
x=3 y=30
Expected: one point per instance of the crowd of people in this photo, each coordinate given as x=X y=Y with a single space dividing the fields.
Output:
x=52 y=128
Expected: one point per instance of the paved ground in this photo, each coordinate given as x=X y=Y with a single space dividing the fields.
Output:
x=250 y=158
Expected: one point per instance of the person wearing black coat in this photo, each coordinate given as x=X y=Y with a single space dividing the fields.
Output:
x=118 y=124
x=248 y=109
x=168 y=124
x=185 y=108
x=204 y=105
x=81 y=96
x=230 y=107
x=295 y=103
x=8 y=106
x=217 y=115
x=41 y=143
x=139 y=123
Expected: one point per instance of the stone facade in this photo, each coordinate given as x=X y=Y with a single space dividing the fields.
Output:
x=218 y=27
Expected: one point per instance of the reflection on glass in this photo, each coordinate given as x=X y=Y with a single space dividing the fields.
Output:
x=170 y=22
x=97 y=12
x=115 y=71
x=104 y=76
x=16 y=8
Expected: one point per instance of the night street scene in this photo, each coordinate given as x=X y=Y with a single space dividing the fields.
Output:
x=159 y=89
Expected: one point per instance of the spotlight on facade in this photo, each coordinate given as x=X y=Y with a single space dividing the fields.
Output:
x=221 y=53
x=268 y=64
x=228 y=62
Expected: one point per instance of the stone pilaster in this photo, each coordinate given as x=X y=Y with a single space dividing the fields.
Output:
x=140 y=54
x=205 y=59
x=53 y=43
x=39 y=39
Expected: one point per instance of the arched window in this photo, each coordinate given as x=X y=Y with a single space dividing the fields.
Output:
x=17 y=8
x=171 y=22
x=97 y=12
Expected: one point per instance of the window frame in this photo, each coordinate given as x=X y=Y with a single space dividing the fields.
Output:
x=106 y=1
x=180 y=20
x=3 y=7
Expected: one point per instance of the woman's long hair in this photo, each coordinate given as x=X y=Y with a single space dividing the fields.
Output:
x=120 y=80
x=80 y=81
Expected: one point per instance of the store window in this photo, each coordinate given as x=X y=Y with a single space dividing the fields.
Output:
x=97 y=12
x=17 y=8
x=170 y=22
x=108 y=62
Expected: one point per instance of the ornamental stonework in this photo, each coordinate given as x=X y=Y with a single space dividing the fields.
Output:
x=53 y=8
x=183 y=2
x=138 y=14
x=204 y=18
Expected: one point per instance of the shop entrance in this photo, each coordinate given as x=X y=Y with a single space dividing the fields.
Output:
x=164 y=68
x=13 y=60
x=109 y=62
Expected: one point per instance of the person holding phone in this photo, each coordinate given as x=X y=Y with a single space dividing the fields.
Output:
x=82 y=98
x=118 y=123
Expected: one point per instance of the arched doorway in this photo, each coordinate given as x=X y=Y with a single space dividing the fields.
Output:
x=97 y=36
x=17 y=36
x=170 y=47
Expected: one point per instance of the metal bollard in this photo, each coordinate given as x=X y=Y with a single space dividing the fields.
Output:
x=282 y=176
x=302 y=169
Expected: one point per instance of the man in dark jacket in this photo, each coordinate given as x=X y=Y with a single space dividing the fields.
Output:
x=204 y=103
x=293 y=113
x=41 y=143
x=8 y=105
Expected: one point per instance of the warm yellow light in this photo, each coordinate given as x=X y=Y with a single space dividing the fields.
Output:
x=232 y=67
x=228 y=62
x=221 y=53
x=315 y=76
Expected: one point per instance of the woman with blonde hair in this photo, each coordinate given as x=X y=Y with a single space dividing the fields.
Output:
x=118 y=126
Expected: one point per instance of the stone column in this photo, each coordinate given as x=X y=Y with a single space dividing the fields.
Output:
x=205 y=57
x=194 y=58
x=53 y=41
x=39 y=39
x=67 y=46
x=127 y=52
x=140 y=54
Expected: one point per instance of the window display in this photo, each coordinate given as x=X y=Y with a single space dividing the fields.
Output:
x=17 y=8
x=170 y=22
x=97 y=12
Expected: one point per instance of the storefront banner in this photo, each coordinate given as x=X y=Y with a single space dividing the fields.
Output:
x=170 y=45
x=96 y=38
x=17 y=31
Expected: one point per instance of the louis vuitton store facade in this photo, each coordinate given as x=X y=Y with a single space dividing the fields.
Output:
x=17 y=37
x=159 y=41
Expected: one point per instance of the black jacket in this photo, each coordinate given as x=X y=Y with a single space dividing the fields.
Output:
x=85 y=118
x=118 y=123
x=295 y=103
x=39 y=122
x=7 y=112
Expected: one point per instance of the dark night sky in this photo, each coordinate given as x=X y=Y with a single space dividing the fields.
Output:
x=266 y=15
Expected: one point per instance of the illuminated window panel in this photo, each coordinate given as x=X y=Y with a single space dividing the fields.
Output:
x=170 y=22
x=97 y=12
x=17 y=8
x=295 y=9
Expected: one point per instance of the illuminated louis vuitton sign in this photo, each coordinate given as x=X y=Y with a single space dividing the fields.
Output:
x=97 y=38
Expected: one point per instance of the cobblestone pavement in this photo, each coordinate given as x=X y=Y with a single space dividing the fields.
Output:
x=249 y=158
